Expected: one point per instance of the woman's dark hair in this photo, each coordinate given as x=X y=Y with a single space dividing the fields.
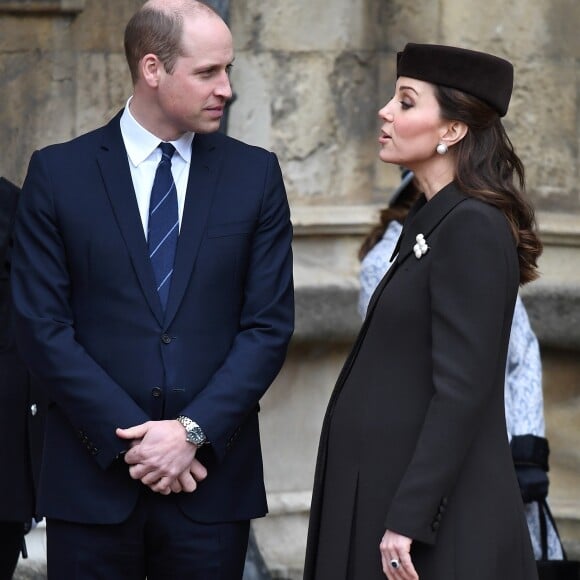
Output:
x=395 y=211
x=488 y=169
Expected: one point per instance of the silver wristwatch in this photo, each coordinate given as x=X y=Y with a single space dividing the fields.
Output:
x=193 y=432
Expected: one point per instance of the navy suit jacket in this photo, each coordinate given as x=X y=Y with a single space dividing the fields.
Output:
x=90 y=326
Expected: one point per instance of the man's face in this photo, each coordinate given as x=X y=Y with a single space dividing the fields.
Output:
x=194 y=95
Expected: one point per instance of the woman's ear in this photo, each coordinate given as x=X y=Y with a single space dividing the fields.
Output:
x=456 y=130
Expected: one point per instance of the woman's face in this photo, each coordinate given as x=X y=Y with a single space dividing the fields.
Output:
x=412 y=125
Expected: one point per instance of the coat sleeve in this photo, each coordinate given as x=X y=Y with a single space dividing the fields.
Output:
x=266 y=323
x=471 y=296
x=45 y=328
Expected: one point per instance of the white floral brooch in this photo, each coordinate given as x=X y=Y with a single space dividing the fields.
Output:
x=421 y=247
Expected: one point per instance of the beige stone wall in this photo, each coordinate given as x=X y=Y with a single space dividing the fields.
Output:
x=63 y=73
x=310 y=76
x=306 y=81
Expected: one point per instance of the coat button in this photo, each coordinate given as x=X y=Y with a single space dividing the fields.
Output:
x=156 y=392
x=435 y=526
x=165 y=339
x=33 y=409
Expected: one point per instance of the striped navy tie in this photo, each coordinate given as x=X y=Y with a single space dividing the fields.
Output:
x=163 y=223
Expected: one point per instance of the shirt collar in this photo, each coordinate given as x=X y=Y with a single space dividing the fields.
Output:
x=140 y=143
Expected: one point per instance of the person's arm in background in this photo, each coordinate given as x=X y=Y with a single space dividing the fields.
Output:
x=524 y=403
x=524 y=407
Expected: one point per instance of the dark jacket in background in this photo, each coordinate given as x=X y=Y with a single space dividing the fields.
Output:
x=21 y=417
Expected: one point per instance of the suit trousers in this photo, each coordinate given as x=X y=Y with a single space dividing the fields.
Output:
x=158 y=542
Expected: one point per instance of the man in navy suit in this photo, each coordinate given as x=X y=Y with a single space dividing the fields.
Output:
x=152 y=464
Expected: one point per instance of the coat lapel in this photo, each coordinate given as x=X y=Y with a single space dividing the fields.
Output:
x=201 y=184
x=424 y=217
x=112 y=160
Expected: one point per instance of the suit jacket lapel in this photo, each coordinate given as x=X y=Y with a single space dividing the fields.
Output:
x=201 y=184
x=114 y=166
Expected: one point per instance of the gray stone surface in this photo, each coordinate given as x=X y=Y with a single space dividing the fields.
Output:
x=554 y=312
x=329 y=313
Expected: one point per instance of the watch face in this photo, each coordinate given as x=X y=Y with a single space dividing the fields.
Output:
x=193 y=432
x=196 y=436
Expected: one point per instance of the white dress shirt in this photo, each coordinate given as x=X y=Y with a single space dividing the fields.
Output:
x=144 y=155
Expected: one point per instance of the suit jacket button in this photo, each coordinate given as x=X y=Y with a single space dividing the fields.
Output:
x=165 y=339
x=435 y=526
x=33 y=409
x=156 y=392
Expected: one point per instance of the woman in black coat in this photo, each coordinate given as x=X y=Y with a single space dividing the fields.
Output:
x=414 y=476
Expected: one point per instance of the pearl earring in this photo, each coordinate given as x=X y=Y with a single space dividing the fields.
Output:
x=442 y=149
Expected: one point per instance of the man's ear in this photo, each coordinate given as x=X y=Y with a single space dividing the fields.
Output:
x=151 y=68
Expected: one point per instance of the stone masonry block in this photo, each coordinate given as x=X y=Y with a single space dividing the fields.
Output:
x=539 y=29
x=101 y=25
x=562 y=18
x=304 y=25
x=542 y=123
x=91 y=71
x=25 y=34
x=94 y=108
x=326 y=102
x=311 y=180
x=328 y=105
x=511 y=29
x=301 y=105
x=37 y=100
x=119 y=85
x=402 y=22
x=308 y=375
x=250 y=117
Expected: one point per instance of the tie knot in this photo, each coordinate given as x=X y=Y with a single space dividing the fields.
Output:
x=167 y=150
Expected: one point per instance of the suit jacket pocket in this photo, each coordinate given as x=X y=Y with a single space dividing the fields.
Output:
x=230 y=229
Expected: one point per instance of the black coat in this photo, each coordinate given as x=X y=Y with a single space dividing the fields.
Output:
x=414 y=439
x=21 y=409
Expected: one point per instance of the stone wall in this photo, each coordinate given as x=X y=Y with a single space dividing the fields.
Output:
x=63 y=72
x=310 y=76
